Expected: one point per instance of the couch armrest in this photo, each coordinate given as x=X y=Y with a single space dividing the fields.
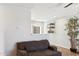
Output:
x=53 y=48
x=22 y=53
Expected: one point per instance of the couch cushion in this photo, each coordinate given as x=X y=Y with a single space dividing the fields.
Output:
x=21 y=46
x=36 y=45
x=33 y=45
x=44 y=53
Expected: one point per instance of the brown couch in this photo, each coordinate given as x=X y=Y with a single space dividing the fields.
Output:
x=36 y=48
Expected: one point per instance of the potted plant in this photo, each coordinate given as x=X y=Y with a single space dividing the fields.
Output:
x=72 y=27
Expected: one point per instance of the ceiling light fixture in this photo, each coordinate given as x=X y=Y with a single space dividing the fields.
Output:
x=68 y=5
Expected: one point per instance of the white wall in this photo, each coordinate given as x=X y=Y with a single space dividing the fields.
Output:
x=1 y=30
x=17 y=26
x=60 y=37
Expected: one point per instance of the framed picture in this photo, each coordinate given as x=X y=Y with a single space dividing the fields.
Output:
x=36 y=29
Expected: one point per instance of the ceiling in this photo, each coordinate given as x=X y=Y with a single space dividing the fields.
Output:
x=44 y=11
x=49 y=11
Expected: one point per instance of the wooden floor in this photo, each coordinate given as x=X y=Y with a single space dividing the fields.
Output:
x=67 y=52
x=64 y=51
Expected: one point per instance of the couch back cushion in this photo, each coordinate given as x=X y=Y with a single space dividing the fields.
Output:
x=34 y=45
x=21 y=45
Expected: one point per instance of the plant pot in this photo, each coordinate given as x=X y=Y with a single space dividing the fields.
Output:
x=73 y=50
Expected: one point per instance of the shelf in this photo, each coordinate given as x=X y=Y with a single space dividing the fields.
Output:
x=51 y=27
